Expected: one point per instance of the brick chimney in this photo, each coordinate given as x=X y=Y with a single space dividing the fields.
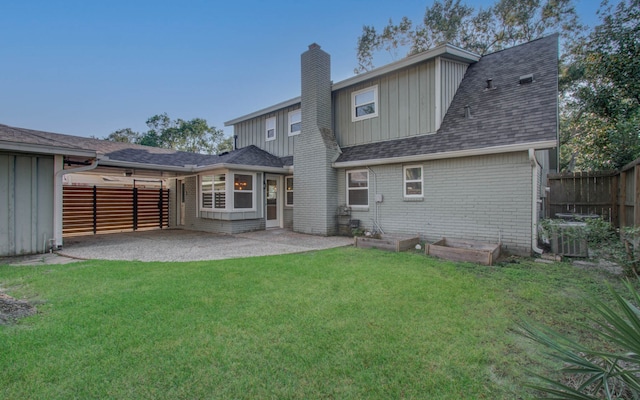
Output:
x=316 y=189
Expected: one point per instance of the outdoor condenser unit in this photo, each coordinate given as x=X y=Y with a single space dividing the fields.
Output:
x=569 y=239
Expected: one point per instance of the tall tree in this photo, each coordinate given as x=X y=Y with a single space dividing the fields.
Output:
x=194 y=135
x=601 y=93
x=505 y=24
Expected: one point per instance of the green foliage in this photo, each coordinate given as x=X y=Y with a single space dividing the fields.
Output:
x=609 y=371
x=600 y=114
x=505 y=24
x=194 y=136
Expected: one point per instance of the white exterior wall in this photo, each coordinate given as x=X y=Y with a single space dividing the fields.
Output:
x=481 y=198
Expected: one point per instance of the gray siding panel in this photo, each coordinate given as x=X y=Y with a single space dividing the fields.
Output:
x=481 y=198
x=406 y=107
x=252 y=132
x=452 y=74
x=26 y=203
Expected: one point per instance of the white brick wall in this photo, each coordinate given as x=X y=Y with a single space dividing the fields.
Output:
x=481 y=198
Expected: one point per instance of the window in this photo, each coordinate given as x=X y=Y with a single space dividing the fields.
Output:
x=242 y=191
x=271 y=128
x=220 y=192
x=413 y=181
x=206 y=192
x=288 y=187
x=364 y=104
x=213 y=193
x=295 y=122
x=358 y=188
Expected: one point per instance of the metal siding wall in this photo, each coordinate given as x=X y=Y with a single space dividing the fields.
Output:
x=26 y=204
x=467 y=198
x=253 y=132
x=452 y=74
x=406 y=107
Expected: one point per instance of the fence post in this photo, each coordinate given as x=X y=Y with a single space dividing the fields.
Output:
x=135 y=208
x=95 y=209
x=636 y=196
x=160 y=207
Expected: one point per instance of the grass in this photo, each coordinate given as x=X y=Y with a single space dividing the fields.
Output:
x=342 y=323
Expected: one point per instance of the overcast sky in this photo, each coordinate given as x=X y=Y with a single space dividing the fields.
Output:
x=88 y=68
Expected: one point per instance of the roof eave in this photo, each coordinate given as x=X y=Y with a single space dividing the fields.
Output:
x=42 y=149
x=545 y=144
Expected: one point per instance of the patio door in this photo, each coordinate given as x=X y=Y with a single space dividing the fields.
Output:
x=274 y=201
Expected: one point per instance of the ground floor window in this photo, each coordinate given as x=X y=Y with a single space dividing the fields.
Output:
x=413 y=181
x=358 y=188
x=215 y=189
x=289 y=190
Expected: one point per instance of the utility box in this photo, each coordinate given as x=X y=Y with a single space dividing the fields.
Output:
x=569 y=239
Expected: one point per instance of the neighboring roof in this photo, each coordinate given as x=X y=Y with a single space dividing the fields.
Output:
x=445 y=50
x=130 y=155
x=511 y=116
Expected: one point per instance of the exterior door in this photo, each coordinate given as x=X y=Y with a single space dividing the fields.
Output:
x=274 y=201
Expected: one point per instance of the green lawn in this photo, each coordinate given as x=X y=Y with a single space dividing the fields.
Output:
x=343 y=323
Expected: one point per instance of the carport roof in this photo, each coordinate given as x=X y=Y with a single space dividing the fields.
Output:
x=130 y=155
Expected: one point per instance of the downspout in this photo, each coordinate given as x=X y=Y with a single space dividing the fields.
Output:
x=534 y=202
x=57 y=195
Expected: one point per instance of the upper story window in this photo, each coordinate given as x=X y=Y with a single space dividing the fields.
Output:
x=270 y=129
x=295 y=122
x=288 y=187
x=413 y=181
x=358 y=188
x=364 y=103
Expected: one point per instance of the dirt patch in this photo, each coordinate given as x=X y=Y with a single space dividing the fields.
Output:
x=12 y=309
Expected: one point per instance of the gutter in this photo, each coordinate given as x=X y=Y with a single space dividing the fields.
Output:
x=534 y=202
x=449 y=154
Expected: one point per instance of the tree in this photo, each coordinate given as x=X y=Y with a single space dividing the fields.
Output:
x=600 y=116
x=194 y=136
x=505 y=24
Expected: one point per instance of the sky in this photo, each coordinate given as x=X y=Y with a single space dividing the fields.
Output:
x=89 y=68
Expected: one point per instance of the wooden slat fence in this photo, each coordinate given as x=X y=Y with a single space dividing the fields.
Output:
x=613 y=195
x=93 y=210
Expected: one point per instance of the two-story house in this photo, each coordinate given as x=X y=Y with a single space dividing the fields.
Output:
x=443 y=143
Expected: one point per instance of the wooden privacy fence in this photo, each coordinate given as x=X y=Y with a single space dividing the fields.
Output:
x=613 y=195
x=92 y=210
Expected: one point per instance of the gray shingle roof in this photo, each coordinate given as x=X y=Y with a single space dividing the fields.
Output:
x=132 y=153
x=510 y=114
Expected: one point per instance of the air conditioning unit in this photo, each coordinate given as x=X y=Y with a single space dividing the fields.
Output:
x=569 y=239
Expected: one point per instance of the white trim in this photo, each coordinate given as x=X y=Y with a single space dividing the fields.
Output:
x=354 y=106
x=405 y=181
x=356 y=206
x=438 y=93
x=547 y=144
x=270 y=124
x=292 y=113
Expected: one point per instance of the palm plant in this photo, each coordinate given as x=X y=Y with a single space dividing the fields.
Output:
x=587 y=374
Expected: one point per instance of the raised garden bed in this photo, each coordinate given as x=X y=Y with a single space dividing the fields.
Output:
x=464 y=250
x=388 y=242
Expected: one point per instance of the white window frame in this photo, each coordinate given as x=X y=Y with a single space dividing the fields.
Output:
x=292 y=114
x=201 y=192
x=270 y=124
x=354 y=106
x=356 y=206
x=233 y=191
x=405 y=181
x=287 y=191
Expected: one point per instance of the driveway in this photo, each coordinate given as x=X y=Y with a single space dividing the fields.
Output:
x=184 y=245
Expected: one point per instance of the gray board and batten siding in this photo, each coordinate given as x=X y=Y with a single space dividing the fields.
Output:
x=26 y=203
x=408 y=106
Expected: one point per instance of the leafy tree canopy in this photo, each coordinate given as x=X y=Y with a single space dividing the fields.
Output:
x=600 y=113
x=194 y=136
x=505 y=24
